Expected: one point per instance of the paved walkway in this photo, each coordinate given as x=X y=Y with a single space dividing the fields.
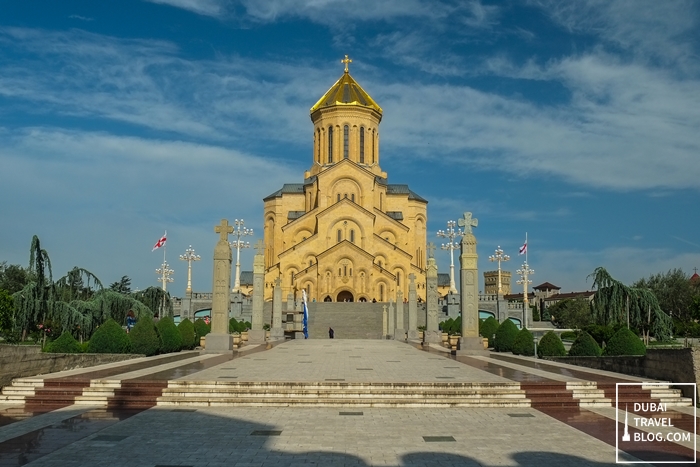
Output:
x=280 y=436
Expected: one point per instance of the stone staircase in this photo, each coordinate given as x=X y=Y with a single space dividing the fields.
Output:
x=340 y=394
x=348 y=320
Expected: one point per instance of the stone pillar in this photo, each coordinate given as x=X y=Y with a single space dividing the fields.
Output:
x=470 y=342
x=257 y=334
x=391 y=327
x=400 y=332
x=219 y=340
x=385 y=322
x=432 y=334
x=276 y=331
x=290 y=301
x=412 y=307
x=453 y=306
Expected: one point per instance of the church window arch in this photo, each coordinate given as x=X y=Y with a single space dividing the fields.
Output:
x=381 y=201
x=350 y=272
x=330 y=144
x=362 y=145
x=340 y=235
x=318 y=145
x=398 y=278
x=338 y=197
x=346 y=137
x=374 y=160
x=340 y=272
x=345 y=269
x=381 y=292
x=352 y=197
x=352 y=235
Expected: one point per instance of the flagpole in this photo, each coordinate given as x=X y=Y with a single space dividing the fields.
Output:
x=526 y=247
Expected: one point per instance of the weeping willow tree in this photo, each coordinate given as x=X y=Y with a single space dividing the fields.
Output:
x=616 y=303
x=156 y=299
x=70 y=303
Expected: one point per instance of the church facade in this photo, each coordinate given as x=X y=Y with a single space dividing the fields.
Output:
x=345 y=233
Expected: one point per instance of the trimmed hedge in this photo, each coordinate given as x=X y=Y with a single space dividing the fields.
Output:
x=505 y=336
x=144 y=337
x=488 y=328
x=64 y=344
x=170 y=339
x=625 y=342
x=524 y=343
x=187 y=334
x=109 y=338
x=550 y=346
x=238 y=326
x=585 y=346
x=201 y=328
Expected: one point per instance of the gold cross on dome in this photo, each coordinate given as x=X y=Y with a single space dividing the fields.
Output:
x=346 y=60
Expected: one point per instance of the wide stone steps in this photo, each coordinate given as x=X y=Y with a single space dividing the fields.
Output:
x=217 y=393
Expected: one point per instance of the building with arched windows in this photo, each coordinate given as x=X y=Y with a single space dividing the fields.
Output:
x=345 y=233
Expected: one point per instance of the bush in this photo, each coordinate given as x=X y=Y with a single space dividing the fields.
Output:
x=187 y=334
x=524 y=343
x=487 y=328
x=625 y=342
x=170 y=339
x=569 y=335
x=585 y=346
x=601 y=334
x=201 y=328
x=505 y=335
x=550 y=346
x=109 y=338
x=64 y=344
x=237 y=326
x=144 y=337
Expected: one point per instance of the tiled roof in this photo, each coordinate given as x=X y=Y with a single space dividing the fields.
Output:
x=396 y=215
x=287 y=188
x=546 y=286
x=443 y=279
x=291 y=215
x=246 y=277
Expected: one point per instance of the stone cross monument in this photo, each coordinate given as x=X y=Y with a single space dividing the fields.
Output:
x=257 y=334
x=412 y=307
x=432 y=334
x=219 y=340
x=400 y=332
x=276 y=331
x=470 y=342
x=391 y=327
x=385 y=322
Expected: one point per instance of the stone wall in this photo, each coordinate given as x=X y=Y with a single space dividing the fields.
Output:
x=676 y=365
x=17 y=361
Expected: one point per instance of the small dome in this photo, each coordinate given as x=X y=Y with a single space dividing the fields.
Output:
x=346 y=91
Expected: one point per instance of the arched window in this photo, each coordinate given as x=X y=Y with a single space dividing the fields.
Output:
x=311 y=262
x=398 y=278
x=345 y=270
x=340 y=235
x=362 y=145
x=330 y=144
x=373 y=155
x=318 y=146
x=346 y=195
x=338 y=196
x=352 y=197
x=291 y=277
x=346 y=136
x=381 y=201
x=352 y=235
x=340 y=272
x=381 y=292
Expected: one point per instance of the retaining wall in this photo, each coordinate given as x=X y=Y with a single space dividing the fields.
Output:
x=676 y=365
x=17 y=361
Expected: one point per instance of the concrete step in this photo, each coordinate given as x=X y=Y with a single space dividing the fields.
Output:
x=339 y=402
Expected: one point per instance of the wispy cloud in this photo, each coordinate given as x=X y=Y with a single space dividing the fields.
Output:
x=686 y=241
x=201 y=7
x=81 y=18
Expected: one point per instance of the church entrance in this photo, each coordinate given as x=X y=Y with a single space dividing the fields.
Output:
x=345 y=296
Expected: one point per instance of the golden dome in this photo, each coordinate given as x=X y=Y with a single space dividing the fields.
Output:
x=346 y=91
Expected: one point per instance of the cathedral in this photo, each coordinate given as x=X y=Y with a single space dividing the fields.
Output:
x=345 y=233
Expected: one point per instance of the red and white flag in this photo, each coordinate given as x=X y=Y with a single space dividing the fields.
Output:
x=523 y=249
x=161 y=241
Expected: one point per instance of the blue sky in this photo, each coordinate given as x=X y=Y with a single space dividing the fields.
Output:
x=576 y=122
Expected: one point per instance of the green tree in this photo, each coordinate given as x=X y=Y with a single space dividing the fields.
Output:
x=505 y=335
x=170 y=338
x=571 y=313
x=550 y=346
x=585 y=346
x=109 y=338
x=625 y=342
x=123 y=285
x=144 y=337
x=7 y=311
x=524 y=343
x=156 y=299
x=13 y=277
x=487 y=329
x=187 y=333
x=615 y=303
x=673 y=290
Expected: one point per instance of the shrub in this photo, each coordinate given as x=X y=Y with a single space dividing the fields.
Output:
x=109 y=338
x=201 y=328
x=170 y=339
x=505 y=335
x=237 y=326
x=187 y=334
x=524 y=343
x=488 y=328
x=64 y=344
x=569 y=335
x=585 y=346
x=601 y=334
x=625 y=342
x=144 y=337
x=550 y=346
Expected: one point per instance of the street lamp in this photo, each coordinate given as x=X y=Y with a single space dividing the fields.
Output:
x=165 y=272
x=189 y=256
x=499 y=256
x=238 y=232
x=524 y=272
x=450 y=233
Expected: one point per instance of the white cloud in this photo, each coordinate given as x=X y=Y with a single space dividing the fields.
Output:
x=201 y=7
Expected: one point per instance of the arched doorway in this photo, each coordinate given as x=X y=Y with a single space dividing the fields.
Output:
x=328 y=299
x=345 y=296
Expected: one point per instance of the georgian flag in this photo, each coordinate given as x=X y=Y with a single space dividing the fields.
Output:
x=306 y=315
x=160 y=242
x=523 y=249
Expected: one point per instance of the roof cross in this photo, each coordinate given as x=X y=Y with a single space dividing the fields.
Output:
x=346 y=60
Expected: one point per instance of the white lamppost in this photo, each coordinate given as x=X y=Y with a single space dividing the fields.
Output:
x=524 y=272
x=238 y=232
x=499 y=256
x=189 y=256
x=451 y=234
x=165 y=272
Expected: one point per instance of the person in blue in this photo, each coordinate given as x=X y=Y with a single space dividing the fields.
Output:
x=130 y=320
